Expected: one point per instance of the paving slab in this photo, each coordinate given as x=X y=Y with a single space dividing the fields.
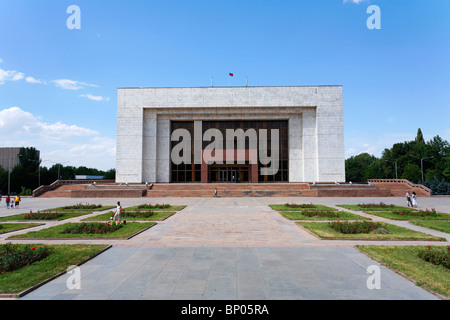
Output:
x=228 y=249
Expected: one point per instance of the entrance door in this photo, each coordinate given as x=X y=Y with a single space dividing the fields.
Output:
x=223 y=175
x=234 y=175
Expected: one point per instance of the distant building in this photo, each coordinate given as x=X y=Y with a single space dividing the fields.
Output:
x=225 y=134
x=86 y=177
x=9 y=157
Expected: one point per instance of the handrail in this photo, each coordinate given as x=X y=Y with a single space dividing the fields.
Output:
x=407 y=182
x=44 y=188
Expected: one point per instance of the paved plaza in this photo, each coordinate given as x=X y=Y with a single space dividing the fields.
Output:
x=228 y=249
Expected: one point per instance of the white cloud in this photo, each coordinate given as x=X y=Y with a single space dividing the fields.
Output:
x=359 y=142
x=355 y=1
x=95 y=98
x=10 y=75
x=57 y=142
x=72 y=84
x=1 y=61
x=34 y=80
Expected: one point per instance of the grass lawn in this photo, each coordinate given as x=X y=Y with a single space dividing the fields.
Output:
x=387 y=212
x=357 y=207
x=443 y=226
x=299 y=213
x=127 y=231
x=341 y=215
x=394 y=216
x=65 y=215
x=405 y=260
x=284 y=207
x=63 y=256
x=9 y=227
x=67 y=209
x=169 y=208
x=324 y=231
x=157 y=216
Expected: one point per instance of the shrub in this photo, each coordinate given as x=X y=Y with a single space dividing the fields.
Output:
x=83 y=206
x=13 y=258
x=137 y=214
x=42 y=215
x=302 y=205
x=373 y=205
x=320 y=213
x=416 y=213
x=355 y=227
x=154 y=206
x=92 y=228
x=436 y=256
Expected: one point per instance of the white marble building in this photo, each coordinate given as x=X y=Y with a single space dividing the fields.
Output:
x=314 y=117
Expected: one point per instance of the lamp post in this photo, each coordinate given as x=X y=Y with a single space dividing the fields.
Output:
x=396 y=176
x=421 y=163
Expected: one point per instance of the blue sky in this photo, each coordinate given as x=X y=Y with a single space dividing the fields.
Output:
x=58 y=87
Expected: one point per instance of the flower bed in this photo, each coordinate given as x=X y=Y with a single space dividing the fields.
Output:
x=42 y=215
x=82 y=206
x=436 y=257
x=13 y=258
x=320 y=213
x=137 y=214
x=418 y=213
x=301 y=205
x=154 y=206
x=92 y=228
x=355 y=227
x=380 y=205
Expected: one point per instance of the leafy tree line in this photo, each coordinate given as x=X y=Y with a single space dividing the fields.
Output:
x=27 y=175
x=419 y=161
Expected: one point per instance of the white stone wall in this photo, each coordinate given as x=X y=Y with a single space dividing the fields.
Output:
x=315 y=114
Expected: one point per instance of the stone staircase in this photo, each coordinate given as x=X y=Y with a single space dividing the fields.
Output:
x=350 y=190
x=399 y=187
x=231 y=190
x=64 y=191
x=376 y=188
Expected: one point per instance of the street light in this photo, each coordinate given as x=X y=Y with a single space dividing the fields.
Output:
x=396 y=177
x=421 y=163
x=59 y=166
x=39 y=170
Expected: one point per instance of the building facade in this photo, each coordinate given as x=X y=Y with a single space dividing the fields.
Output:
x=230 y=134
x=9 y=157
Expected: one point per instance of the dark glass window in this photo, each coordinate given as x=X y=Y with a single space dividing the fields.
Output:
x=186 y=172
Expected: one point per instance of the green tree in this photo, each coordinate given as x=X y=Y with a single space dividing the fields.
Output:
x=412 y=173
x=29 y=159
x=419 y=137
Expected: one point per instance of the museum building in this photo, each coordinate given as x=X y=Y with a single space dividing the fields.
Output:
x=230 y=135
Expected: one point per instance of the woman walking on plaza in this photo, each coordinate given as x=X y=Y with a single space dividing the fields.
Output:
x=118 y=211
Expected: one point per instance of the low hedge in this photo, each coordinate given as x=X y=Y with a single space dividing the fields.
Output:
x=13 y=258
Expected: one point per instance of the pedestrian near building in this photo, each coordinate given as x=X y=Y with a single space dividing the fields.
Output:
x=117 y=215
x=16 y=201
x=408 y=200
x=414 y=199
x=8 y=200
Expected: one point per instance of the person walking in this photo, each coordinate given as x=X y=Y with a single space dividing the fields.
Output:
x=16 y=201
x=408 y=199
x=8 y=200
x=414 y=199
x=215 y=192
x=118 y=212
